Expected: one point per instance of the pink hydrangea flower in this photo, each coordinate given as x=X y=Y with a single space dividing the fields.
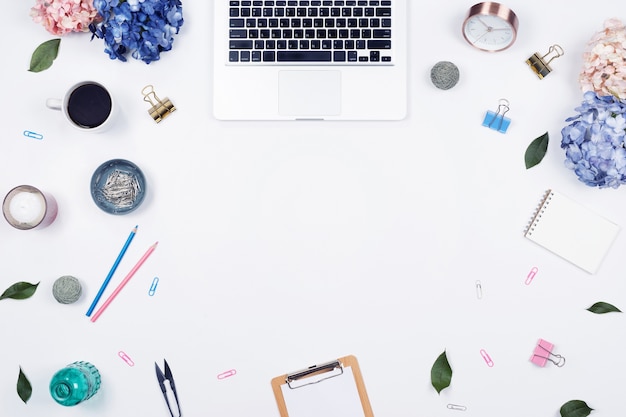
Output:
x=64 y=16
x=604 y=67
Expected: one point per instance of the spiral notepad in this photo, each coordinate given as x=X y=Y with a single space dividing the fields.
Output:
x=571 y=231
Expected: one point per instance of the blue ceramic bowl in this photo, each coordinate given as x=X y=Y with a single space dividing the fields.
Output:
x=118 y=186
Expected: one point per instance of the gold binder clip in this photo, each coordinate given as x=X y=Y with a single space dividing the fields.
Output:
x=541 y=64
x=160 y=108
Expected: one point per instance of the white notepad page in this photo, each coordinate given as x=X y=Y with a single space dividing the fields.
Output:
x=333 y=397
x=572 y=231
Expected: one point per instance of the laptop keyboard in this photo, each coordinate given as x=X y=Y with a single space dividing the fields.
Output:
x=330 y=32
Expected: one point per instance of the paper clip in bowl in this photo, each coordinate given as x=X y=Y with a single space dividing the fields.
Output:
x=496 y=120
x=160 y=108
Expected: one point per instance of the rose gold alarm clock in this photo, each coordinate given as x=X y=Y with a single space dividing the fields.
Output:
x=490 y=26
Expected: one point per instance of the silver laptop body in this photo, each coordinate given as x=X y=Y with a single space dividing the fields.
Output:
x=310 y=60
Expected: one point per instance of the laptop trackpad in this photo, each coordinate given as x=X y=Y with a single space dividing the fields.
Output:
x=309 y=93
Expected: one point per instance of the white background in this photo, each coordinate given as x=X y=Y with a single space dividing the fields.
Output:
x=286 y=244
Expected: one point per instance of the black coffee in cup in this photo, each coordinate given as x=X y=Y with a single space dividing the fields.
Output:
x=89 y=105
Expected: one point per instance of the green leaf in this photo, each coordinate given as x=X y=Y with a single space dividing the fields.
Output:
x=601 y=308
x=536 y=150
x=575 y=408
x=24 y=389
x=19 y=291
x=44 y=55
x=441 y=373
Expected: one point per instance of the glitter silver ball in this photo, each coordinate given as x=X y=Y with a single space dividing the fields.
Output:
x=66 y=289
x=444 y=75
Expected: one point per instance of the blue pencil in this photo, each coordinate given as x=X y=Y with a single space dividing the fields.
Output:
x=112 y=271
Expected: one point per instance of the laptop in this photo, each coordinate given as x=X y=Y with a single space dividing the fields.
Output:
x=310 y=60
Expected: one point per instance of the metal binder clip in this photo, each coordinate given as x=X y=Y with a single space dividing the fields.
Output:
x=160 y=108
x=324 y=371
x=543 y=353
x=167 y=376
x=496 y=120
x=540 y=64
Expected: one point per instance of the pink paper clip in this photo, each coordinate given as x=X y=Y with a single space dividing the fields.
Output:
x=226 y=374
x=126 y=358
x=486 y=357
x=531 y=275
x=543 y=353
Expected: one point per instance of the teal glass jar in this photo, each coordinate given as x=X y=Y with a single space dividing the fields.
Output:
x=75 y=383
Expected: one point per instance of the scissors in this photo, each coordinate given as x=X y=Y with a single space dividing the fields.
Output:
x=167 y=376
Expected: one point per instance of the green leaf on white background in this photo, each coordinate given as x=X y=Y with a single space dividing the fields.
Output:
x=536 y=150
x=24 y=389
x=44 y=55
x=602 y=308
x=575 y=408
x=19 y=291
x=441 y=373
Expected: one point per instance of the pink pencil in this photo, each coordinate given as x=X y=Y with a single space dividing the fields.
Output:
x=123 y=283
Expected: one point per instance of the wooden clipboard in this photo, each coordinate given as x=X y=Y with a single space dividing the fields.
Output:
x=316 y=376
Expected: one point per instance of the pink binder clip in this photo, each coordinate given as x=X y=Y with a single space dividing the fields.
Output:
x=543 y=353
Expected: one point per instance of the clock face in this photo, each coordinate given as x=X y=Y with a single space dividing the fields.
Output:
x=488 y=32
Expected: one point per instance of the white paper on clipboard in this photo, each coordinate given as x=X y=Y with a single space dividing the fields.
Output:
x=332 y=397
x=332 y=389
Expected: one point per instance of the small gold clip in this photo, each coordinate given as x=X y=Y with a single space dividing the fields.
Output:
x=160 y=108
x=540 y=64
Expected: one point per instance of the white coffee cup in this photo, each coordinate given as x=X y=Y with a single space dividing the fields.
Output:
x=87 y=105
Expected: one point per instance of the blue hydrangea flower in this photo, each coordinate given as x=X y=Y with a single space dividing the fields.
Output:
x=594 y=141
x=141 y=28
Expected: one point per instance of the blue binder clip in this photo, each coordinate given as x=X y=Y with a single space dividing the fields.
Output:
x=496 y=120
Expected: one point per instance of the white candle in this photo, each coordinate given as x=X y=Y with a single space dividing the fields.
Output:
x=27 y=207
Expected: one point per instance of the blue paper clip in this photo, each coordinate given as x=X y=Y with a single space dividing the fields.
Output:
x=153 y=286
x=33 y=135
x=496 y=120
